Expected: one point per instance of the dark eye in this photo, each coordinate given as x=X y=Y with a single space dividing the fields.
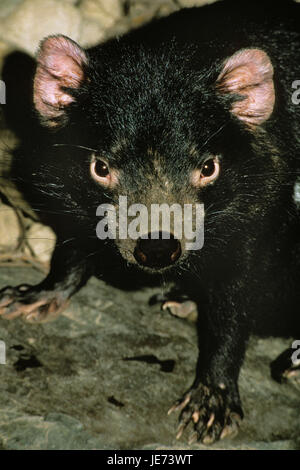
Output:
x=207 y=174
x=208 y=168
x=101 y=169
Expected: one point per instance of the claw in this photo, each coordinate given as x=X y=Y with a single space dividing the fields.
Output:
x=211 y=420
x=193 y=438
x=196 y=416
x=180 y=430
x=208 y=439
x=230 y=430
x=211 y=414
x=180 y=405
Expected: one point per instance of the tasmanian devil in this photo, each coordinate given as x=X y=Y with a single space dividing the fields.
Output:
x=196 y=108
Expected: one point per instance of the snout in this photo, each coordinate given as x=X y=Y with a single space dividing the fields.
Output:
x=159 y=250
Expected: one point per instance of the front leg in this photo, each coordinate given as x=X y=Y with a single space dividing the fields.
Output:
x=71 y=267
x=213 y=403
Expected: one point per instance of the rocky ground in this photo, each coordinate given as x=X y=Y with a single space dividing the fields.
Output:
x=104 y=374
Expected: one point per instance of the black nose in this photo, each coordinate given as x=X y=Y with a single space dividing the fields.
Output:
x=157 y=252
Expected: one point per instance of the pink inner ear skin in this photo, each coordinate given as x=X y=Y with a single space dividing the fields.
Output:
x=249 y=72
x=60 y=63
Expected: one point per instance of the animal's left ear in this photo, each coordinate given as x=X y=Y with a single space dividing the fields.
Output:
x=249 y=73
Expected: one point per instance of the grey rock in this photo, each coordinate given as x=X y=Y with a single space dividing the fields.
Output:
x=28 y=24
x=41 y=242
x=104 y=374
x=194 y=3
x=8 y=6
x=10 y=230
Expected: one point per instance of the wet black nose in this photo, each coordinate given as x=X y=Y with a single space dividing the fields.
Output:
x=157 y=252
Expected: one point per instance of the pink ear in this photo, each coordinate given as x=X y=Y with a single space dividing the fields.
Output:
x=249 y=73
x=60 y=63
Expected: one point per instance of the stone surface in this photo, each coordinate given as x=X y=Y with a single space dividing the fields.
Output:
x=91 y=33
x=106 y=12
x=104 y=374
x=8 y=188
x=27 y=25
x=5 y=49
x=8 y=6
x=194 y=3
x=10 y=230
x=41 y=241
x=25 y=22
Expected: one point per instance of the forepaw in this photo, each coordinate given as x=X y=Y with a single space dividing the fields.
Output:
x=213 y=414
x=286 y=366
x=177 y=304
x=31 y=304
x=186 y=309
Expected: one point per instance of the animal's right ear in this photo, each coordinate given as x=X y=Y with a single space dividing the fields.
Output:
x=61 y=66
